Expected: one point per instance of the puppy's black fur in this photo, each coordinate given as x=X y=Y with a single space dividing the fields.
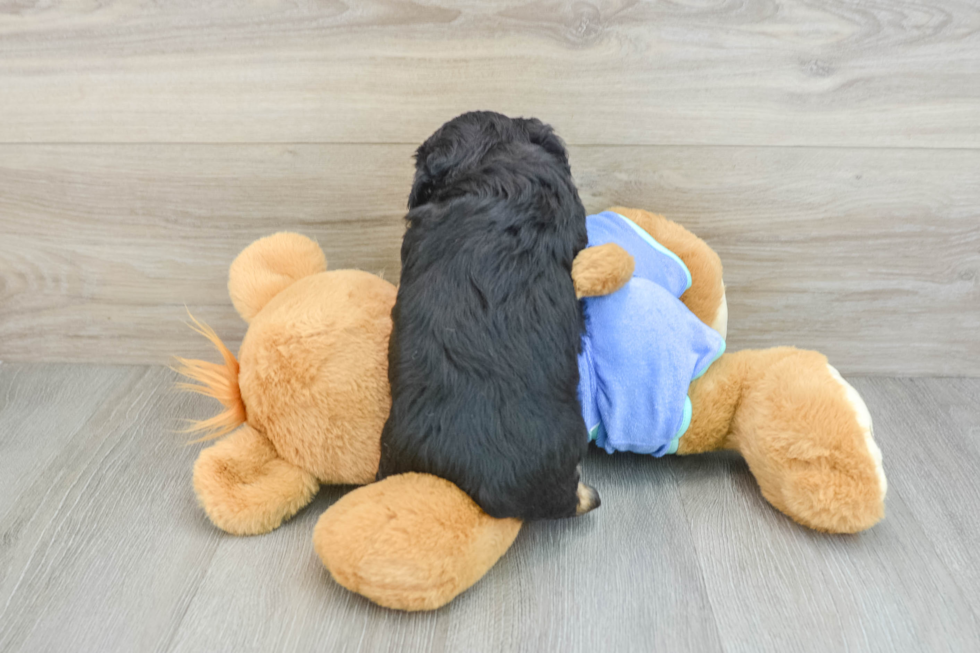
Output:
x=487 y=328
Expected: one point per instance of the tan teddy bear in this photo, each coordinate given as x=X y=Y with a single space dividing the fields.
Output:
x=307 y=398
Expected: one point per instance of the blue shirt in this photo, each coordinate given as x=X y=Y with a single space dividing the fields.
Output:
x=642 y=347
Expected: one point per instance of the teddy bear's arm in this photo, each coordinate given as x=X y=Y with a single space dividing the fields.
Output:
x=246 y=488
x=601 y=270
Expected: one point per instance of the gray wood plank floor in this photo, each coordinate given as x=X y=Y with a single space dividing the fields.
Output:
x=102 y=547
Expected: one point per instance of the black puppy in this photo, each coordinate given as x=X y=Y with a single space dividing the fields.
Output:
x=483 y=352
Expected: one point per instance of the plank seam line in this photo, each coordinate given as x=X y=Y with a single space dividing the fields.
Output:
x=413 y=143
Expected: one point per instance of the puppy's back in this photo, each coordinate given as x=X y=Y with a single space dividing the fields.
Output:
x=483 y=352
x=483 y=363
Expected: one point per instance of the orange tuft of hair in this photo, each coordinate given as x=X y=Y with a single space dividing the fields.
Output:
x=219 y=381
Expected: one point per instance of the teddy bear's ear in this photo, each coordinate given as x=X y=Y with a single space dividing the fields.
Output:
x=267 y=266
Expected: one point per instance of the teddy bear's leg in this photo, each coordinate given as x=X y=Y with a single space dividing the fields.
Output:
x=804 y=431
x=706 y=296
x=410 y=542
x=246 y=488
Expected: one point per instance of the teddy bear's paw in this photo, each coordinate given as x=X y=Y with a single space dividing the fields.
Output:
x=863 y=416
x=246 y=488
x=601 y=270
x=829 y=500
x=812 y=448
x=410 y=542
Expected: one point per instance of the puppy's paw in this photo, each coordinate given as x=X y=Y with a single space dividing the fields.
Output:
x=588 y=499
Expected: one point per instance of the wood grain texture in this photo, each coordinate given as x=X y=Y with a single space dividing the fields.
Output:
x=936 y=477
x=871 y=256
x=38 y=401
x=561 y=587
x=779 y=587
x=845 y=72
x=105 y=545
x=107 y=244
x=102 y=547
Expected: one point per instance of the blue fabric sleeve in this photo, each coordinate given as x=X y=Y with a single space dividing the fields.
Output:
x=654 y=262
x=645 y=348
x=587 y=388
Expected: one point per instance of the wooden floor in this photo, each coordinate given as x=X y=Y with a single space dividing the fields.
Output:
x=102 y=547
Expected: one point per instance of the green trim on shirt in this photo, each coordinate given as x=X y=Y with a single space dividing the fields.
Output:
x=685 y=424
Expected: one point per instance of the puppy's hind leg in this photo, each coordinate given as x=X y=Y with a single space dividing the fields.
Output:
x=588 y=499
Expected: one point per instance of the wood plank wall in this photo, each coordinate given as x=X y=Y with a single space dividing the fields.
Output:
x=829 y=151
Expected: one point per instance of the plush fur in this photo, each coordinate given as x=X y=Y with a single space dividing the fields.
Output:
x=312 y=371
x=313 y=375
x=805 y=433
x=255 y=278
x=309 y=389
x=247 y=487
x=601 y=270
x=317 y=357
x=384 y=567
x=486 y=325
x=706 y=296
x=218 y=381
x=792 y=421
